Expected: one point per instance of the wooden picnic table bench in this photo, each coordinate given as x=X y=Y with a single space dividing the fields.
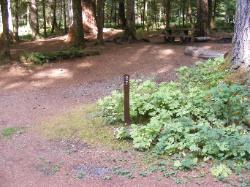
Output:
x=172 y=34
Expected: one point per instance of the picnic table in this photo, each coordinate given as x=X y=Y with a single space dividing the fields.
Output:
x=182 y=34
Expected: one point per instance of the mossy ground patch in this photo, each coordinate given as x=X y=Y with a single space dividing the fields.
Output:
x=83 y=123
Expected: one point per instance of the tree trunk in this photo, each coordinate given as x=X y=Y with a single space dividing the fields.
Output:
x=130 y=31
x=10 y=18
x=5 y=43
x=183 y=12
x=167 y=9
x=111 y=14
x=44 y=18
x=89 y=16
x=61 y=15
x=144 y=13
x=100 y=20
x=202 y=18
x=122 y=14
x=214 y=11
x=210 y=13
x=54 y=17
x=70 y=12
x=190 y=15
x=33 y=18
x=16 y=20
x=241 y=41
x=65 y=17
x=78 y=35
x=88 y=19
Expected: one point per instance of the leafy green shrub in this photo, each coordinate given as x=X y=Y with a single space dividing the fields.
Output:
x=221 y=171
x=40 y=58
x=122 y=133
x=200 y=114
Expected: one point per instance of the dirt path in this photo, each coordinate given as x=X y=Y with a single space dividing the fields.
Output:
x=28 y=97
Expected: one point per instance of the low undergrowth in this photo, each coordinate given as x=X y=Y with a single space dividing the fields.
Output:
x=82 y=124
x=11 y=131
x=40 y=58
x=203 y=116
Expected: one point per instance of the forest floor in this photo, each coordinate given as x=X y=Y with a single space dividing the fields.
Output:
x=30 y=97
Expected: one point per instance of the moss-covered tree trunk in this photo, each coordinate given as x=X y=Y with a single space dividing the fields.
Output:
x=5 y=41
x=241 y=41
x=77 y=27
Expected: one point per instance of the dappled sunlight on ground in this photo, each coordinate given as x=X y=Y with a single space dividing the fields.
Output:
x=115 y=60
x=53 y=73
x=84 y=65
x=165 y=52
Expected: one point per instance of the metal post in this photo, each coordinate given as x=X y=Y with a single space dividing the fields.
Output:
x=126 y=99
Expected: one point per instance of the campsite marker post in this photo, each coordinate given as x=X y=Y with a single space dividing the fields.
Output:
x=126 y=99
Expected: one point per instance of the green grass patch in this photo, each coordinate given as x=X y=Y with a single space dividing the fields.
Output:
x=84 y=124
x=11 y=131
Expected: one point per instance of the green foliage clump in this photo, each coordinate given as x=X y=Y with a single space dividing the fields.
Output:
x=10 y=131
x=200 y=114
x=40 y=58
x=221 y=171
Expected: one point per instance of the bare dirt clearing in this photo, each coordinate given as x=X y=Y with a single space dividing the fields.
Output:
x=31 y=96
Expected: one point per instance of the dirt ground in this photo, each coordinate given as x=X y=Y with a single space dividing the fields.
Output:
x=29 y=96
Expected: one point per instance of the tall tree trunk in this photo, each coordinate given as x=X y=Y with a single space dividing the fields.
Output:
x=54 y=17
x=122 y=17
x=61 y=15
x=70 y=12
x=144 y=13
x=111 y=14
x=130 y=31
x=115 y=14
x=167 y=9
x=5 y=46
x=100 y=20
x=183 y=12
x=44 y=18
x=33 y=18
x=89 y=16
x=214 y=11
x=10 y=17
x=202 y=18
x=16 y=20
x=190 y=15
x=241 y=41
x=77 y=35
x=65 y=17
x=210 y=13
